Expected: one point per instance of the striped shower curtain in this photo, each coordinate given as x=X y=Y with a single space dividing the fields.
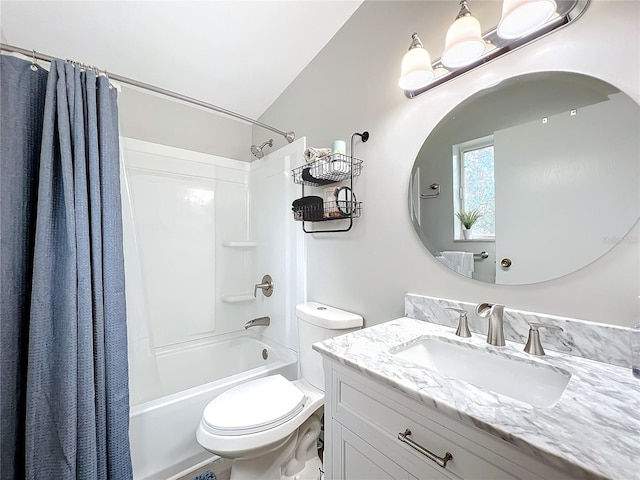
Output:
x=64 y=388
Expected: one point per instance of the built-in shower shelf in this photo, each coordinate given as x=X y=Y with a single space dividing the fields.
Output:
x=241 y=245
x=241 y=298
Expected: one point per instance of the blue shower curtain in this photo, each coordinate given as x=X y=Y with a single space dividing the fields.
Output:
x=65 y=401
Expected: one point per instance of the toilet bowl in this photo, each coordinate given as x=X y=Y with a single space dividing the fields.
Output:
x=270 y=426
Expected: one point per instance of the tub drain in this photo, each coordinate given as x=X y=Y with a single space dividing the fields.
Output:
x=265 y=353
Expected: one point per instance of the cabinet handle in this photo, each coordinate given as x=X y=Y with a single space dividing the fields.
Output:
x=441 y=461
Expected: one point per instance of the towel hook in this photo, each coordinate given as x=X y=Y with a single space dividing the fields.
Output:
x=364 y=136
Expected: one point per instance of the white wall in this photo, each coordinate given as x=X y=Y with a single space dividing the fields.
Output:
x=351 y=86
x=155 y=118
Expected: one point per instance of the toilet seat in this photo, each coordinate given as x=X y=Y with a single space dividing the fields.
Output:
x=253 y=407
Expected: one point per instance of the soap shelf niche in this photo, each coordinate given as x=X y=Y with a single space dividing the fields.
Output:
x=240 y=245
x=239 y=298
x=327 y=171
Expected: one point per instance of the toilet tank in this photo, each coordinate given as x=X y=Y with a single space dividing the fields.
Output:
x=317 y=322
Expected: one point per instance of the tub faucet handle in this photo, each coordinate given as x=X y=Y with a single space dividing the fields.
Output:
x=266 y=286
x=463 y=327
x=534 y=346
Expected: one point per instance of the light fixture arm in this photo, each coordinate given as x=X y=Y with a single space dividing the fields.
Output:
x=464 y=10
x=415 y=41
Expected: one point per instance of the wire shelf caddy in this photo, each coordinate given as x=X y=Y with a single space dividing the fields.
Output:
x=326 y=170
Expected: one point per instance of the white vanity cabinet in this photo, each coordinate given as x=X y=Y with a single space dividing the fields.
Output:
x=364 y=417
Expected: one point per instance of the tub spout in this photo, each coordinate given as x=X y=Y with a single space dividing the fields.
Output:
x=258 y=322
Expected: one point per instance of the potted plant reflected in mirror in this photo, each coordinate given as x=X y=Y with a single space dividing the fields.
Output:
x=468 y=218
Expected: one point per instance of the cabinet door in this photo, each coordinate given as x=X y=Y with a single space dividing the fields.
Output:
x=355 y=459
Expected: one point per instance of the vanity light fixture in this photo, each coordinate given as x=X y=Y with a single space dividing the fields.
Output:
x=464 y=43
x=521 y=17
x=522 y=22
x=416 y=68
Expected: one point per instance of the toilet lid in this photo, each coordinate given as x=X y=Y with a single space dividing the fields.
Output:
x=254 y=406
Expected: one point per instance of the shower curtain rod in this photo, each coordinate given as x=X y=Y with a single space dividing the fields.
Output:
x=290 y=136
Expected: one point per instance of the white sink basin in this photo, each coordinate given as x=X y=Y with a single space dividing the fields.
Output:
x=536 y=384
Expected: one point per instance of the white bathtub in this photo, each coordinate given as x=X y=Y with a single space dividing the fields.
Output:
x=162 y=431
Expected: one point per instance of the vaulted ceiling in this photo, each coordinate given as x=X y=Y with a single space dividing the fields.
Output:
x=237 y=54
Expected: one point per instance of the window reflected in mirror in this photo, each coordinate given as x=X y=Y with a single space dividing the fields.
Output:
x=474 y=187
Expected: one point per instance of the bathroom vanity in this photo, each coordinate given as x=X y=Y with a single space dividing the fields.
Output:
x=393 y=411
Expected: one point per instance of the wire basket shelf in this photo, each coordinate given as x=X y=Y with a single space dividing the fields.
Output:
x=326 y=170
x=327 y=211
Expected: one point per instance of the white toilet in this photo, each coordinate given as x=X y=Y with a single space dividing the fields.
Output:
x=270 y=426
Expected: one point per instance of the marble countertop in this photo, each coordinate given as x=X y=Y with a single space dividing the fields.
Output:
x=592 y=432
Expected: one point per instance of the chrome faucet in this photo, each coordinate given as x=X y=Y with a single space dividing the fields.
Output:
x=258 y=322
x=495 y=333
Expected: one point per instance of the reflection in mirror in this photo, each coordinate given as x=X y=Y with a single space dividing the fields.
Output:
x=551 y=161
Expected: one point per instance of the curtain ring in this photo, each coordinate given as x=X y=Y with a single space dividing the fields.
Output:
x=33 y=66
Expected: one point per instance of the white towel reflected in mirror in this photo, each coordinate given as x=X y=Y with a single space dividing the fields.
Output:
x=460 y=262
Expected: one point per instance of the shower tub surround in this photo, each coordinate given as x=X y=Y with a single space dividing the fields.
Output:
x=591 y=432
x=199 y=231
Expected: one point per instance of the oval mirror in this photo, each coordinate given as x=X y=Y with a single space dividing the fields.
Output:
x=548 y=164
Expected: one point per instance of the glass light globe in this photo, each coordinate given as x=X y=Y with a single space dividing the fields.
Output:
x=416 y=71
x=464 y=43
x=521 y=17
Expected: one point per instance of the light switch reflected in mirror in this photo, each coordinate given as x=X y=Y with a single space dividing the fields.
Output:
x=551 y=159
